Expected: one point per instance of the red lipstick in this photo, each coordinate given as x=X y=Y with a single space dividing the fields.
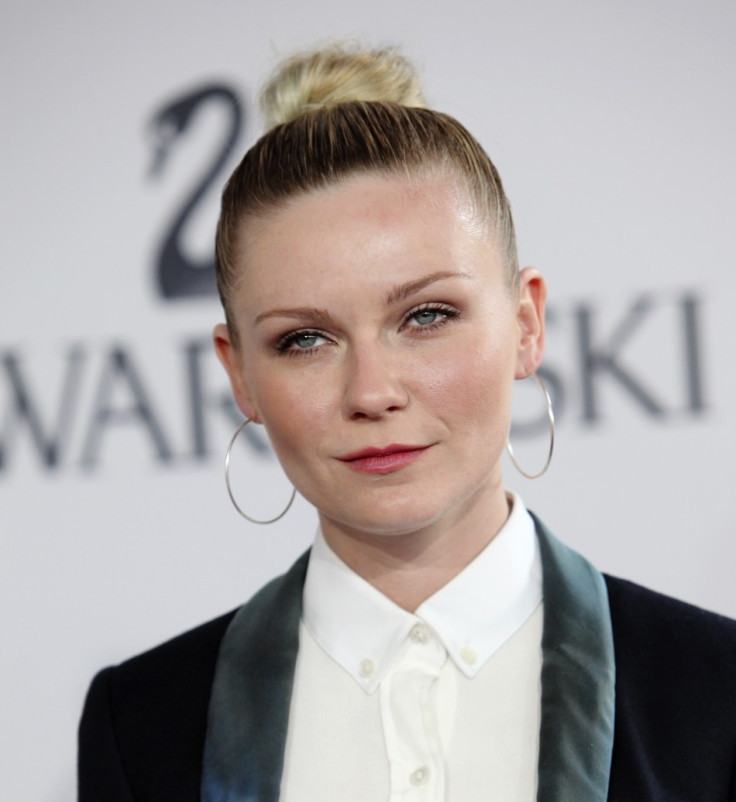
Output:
x=383 y=460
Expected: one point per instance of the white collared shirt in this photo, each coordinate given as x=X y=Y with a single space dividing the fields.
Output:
x=438 y=705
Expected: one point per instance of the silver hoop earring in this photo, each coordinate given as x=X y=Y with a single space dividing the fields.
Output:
x=551 y=418
x=230 y=491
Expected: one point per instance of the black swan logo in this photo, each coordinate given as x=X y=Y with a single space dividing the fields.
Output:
x=179 y=276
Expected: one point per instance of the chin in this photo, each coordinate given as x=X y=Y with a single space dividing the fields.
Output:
x=401 y=517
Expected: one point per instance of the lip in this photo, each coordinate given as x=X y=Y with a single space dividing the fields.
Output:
x=383 y=460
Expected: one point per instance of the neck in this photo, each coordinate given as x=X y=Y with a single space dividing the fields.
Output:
x=410 y=567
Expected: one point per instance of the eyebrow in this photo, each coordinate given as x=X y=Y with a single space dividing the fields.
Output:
x=397 y=294
x=303 y=313
x=411 y=287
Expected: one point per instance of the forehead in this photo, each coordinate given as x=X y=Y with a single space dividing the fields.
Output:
x=369 y=229
x=374 y=198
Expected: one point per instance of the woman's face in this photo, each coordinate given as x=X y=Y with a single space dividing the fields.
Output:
x=378 y=345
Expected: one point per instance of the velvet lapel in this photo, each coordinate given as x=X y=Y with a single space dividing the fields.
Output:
x=251 y=695
x=578 y=677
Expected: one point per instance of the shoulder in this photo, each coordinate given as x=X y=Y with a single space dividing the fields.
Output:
x=180 y=671
x=666 y=648
x=171 y=672
x=649 y=625
x=675 y=728
x=144 y=722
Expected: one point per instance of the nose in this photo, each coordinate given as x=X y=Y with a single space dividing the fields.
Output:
x=373 y=386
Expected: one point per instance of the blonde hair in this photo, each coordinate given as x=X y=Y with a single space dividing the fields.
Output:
x=339 y=112
x=338 y=74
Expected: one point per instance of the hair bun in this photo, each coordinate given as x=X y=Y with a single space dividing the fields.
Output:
x=338 y=74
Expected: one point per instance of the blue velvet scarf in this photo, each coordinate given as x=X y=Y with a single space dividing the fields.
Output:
x=251 y=694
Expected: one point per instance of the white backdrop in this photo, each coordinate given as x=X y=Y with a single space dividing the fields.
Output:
x=613 y=126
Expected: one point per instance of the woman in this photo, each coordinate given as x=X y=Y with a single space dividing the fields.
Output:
x=437 y=642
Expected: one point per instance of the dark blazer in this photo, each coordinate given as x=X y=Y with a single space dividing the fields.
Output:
x=144 y=733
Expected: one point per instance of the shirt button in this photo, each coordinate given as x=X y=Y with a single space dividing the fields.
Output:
x=367 y=668
x=420 y=776
x=468 y=655
x=419 y=634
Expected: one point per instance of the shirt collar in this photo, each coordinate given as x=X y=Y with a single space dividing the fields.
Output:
x=473 y=615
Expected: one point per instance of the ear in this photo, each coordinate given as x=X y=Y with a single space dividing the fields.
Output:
x=532 y=296
x=231 y=359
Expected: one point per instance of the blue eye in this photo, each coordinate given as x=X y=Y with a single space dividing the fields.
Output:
x=300 y=341
x=429 y=316
x=425 y=317
x=307 y=339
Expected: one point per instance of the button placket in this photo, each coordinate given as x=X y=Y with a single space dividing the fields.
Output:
x=409 y=713
x=420 y=776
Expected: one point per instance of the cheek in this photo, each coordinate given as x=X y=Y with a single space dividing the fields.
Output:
x=294 y=412
x=472 y=386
